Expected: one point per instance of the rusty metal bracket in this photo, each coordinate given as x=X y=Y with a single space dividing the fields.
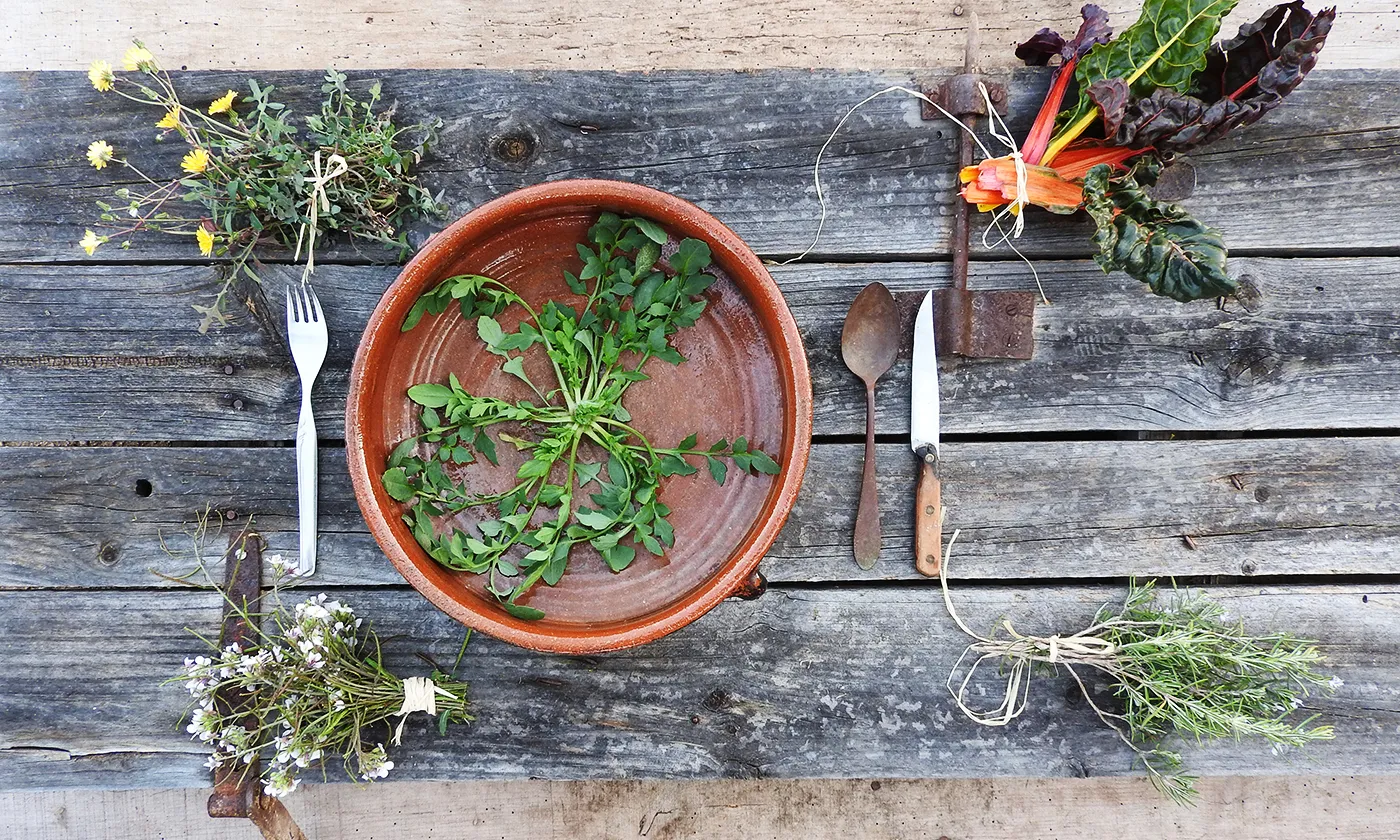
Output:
x=982 y=324
x=236 y=792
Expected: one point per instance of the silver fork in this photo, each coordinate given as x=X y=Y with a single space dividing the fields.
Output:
x=306 y=333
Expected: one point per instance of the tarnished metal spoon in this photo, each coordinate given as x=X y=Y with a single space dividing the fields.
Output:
x=869 y=344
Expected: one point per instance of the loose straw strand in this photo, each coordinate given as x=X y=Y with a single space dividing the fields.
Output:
x=1002 y=134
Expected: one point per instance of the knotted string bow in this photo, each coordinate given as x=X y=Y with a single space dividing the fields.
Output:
x=318 y=202
x=419 y=695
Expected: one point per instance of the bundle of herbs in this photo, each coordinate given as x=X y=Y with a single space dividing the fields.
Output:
x=632 y=302
x=254 y=178
x=307 y=687
x=1175 y=667
x=1158 y=90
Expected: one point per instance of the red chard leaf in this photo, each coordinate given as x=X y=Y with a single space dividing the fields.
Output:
x=1046 y=44
x=1111 y=95
x=1255 y=64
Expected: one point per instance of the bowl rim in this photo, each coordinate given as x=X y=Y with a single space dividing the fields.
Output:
x=743 y=267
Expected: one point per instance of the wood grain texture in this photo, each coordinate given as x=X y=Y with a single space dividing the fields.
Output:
x=802 y=683
x=589 y=34
x=739 y=145
x=1026 y=510
x=111 y=353
x=1243 y=808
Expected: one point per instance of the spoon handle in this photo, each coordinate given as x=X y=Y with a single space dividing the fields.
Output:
x=867 y=535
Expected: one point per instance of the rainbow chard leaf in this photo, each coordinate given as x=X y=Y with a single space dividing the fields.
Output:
x=1245 y=78
x=1165 y=48
x=1157 y=243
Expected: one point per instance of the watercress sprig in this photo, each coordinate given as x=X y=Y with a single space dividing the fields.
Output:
x=590 y=477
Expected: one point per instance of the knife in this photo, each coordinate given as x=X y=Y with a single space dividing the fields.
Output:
x=923 y=438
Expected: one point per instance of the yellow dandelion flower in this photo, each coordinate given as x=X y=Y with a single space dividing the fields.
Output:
x=100 y=74
x=205 y=239
x=138 y=58
x=195 y=162
x=223 y=103
x=89 y=242
x=170 y=120
x=99 y=153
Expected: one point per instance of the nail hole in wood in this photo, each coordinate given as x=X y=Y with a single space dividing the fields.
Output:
x=143 y=487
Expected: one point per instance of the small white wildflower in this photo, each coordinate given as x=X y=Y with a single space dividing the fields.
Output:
x=214 y=762
x=1335 y=683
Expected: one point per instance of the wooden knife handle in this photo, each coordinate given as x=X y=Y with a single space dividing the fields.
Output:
x=866 y=544
x=928 y=518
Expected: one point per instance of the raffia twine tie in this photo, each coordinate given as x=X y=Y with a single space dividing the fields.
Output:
x=318 y=203
x=419 y=695
x=1021 y=650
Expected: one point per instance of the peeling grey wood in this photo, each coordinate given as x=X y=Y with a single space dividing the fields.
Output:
x=739 y=144
x=802 y=683
x=111 y=353
x=1096 y=509
x=1240 y=807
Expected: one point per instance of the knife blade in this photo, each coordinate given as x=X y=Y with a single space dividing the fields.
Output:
x=923 y=439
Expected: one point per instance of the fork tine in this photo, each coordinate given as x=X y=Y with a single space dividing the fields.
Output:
x=291 y=307
x=315 y=305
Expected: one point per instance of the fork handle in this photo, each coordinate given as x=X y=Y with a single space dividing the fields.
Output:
x=306 y=485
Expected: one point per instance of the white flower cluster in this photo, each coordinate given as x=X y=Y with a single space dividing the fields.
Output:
x=295 y=668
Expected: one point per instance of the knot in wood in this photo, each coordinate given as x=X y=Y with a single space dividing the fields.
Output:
x=514 y=148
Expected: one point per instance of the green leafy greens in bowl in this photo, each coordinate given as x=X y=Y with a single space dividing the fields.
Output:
x=636 y=300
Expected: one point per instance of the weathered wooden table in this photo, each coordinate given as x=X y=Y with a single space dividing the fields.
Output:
x=1263 y=428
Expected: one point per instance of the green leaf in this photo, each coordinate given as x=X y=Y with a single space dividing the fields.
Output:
x=650 y=544
x=587 y=472
x=664 y=532
x=647 y=255
x=593 y=518
x=1165 y=48
x=620 y=557
x=652 y=230
x=516 y=368
x=692 y=256
x=718 y=470
x=430 y=395
x=415 y=314
x=688 y=443
x=554 y=567
x=397 y=486
x=646 y=292
x=533 y=468
x=490 y=332
x=402 y=451
x=1154 y=242
x=486 y=446
x=764 y=464
x=673 y=465
x=521 y=611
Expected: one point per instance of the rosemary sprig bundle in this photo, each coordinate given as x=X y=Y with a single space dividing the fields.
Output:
x=252 y=177
x=307 y=688
x=1177 y=667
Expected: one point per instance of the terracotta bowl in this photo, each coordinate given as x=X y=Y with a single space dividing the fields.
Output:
x=746 y=374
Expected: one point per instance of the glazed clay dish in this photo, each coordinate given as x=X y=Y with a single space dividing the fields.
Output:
x=745 y=374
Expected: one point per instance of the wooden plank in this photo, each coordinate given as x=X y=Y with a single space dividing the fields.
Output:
x=592 y=34
x=741 y=145
x=111 y=353
x=802 y=683
x=1027 y=510
x=1244 y=808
